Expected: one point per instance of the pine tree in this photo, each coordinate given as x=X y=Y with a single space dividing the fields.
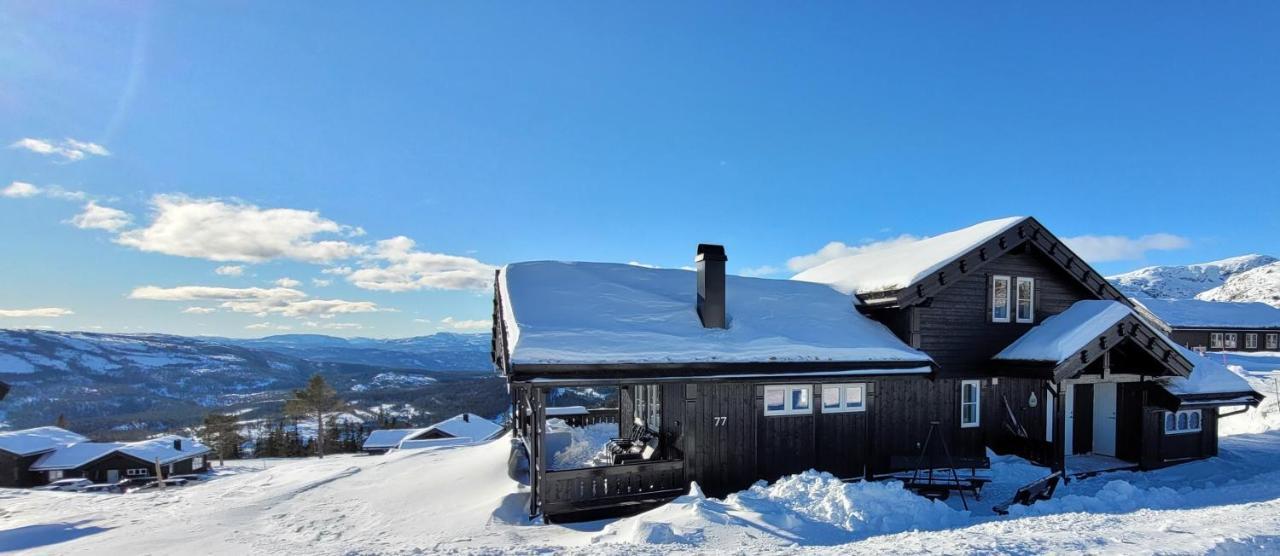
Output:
x=315 y=401
x=62 y=421
x=223 y=432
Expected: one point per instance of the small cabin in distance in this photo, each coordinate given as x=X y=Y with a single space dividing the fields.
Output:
x=19 y=450
x=1215 y=325
x=110 y=462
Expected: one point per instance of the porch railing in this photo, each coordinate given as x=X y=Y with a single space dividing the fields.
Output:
x=576 y=490
x=592 y=417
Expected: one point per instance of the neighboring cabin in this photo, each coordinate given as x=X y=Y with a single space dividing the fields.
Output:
x=995 y=336
x=464 y=428
x=1215 y=325
x=109 y=462
x=20 y=449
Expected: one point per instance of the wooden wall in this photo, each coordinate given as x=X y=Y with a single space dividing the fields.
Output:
x=1162 y=450
x=1200 y=338
x=16 y=471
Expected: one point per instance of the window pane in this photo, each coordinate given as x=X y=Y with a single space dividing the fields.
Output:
x=969 y=393
x=1170 y=422
x=1025 y=296
x=853 y=396
x=969 y=413
x=799 y=398
x=831 y=397
x=1000 y=298
x=1195 y=420
x=774 y=399
x=1215 y=340
x=1273 y=340
x=1182 y=421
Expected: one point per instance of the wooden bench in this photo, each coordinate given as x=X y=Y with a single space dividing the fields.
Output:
x=1041 y=489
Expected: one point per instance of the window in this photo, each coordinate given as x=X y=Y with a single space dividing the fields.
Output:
x=136 y=472
x=197 y=463
x=1182 y=422
x=843 y=398
x=1000 y=299
x=1215 y=340
x=1026 y=311
x=1251 y=341
x=1230 y=339
x=55 y=475
x=647 y=406
x=1273 y=341
x=970 y=398
x=788 y=400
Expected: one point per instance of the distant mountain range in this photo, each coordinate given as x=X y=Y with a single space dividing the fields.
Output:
x=129 y=382
x=1244 y=278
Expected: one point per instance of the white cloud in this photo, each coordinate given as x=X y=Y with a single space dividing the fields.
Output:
x=423 y=321
x=1097 y=249
x=288 y=283
x=838 y=249
x=337 y=271
x=41 y=312
x=268 y=326
x=450 y=322
x=20 y=190
x=68 y=149
x=199 y=310
x=229 y=270
x=407 y=269
x=258 y=301
x=220 y=230
x=758 y=271
x=320 y=283
x=98 y=217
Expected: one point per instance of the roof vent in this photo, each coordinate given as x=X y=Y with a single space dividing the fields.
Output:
x=711 y=259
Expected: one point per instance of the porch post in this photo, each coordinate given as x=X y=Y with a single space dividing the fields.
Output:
x=1059 y=427
x=539 y=458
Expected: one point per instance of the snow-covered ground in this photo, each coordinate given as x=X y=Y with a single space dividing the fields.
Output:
x=458 y=500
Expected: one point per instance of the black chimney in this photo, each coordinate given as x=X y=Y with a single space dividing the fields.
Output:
x=711 y=259
x=466 y=418
x=177 y=444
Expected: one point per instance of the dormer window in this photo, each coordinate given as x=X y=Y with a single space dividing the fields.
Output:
x=1026 y=311
x=1000 y=298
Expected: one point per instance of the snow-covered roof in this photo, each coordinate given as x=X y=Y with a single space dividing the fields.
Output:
x=1194 y=313
x=161 y=448
x=473 y=426
x=602 y=313
x=1208 y=377
x=40 y=439
x=900 y=264
x=1063 y=334
x=75 y=455
x=386 y=439
x=567 y=410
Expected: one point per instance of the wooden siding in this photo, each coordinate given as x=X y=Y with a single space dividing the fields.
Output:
x=1199 y=338
x=956 y=327
x=1162 y=450
x=15 y=471
x=1009 y=406
x=721 y=457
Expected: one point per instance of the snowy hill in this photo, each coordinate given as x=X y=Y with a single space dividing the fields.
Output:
x=1260 y=284
x=467 y=505
x=138 y=382
x=1185 y=282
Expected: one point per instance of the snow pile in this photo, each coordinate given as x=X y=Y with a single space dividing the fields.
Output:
x=600 y=313
x=1261 y=284
x=1261 y=419
x=1115 y=497
x=1212 y=314
x=1184 y=282
x=902 y=264
x=578 y=446
x=1061 y=335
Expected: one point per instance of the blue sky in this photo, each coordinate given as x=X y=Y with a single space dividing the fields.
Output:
x=386 y=159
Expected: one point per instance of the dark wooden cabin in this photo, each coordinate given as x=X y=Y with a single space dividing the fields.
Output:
x=995 y=336
x=109 y=462
x=19 y=450
x=1215 y=325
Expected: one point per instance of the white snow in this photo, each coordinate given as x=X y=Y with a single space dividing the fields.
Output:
x=468 y=425
x=1212 y=314
x=576 y=447
x=385 y=439
x=161 y=448
x=12 y=364
x=600 y=313
x=467 y=505
x=1260 y=284
x=1207 y=377
x=1065 y=333
x=71 y=457
x=566 y=410
x=1184 y=282
x=40 y=439
x=903 y=264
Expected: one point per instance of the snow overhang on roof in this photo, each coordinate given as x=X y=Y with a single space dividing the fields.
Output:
x=29 y=442
x=594 y=314
x=162 y=449
x=1195 y=313
x=75 y=455
x=1071 y=340
x=388 y=438
x=471 y=426
x=1210 y=384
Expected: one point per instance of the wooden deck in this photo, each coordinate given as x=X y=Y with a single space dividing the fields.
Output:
x=576 y=491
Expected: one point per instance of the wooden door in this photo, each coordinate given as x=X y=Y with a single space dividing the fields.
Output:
x=1104 y=418
x=721 y=452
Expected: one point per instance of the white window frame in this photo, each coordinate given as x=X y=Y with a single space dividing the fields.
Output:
x=1230 y=340
x=843 y=404
x=1273 y=341
x=788 y=407
x=1215 y=340
x=1017 y=300
x=1181 y=426
x=1008 y=286
x=136 y=472
x=56 y=475
x=1251 y=340
x=976 y=403
x=197 y=462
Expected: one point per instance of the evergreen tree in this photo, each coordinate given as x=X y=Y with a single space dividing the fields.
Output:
x=316 y=401
x=222 y=431
x=62 y=421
